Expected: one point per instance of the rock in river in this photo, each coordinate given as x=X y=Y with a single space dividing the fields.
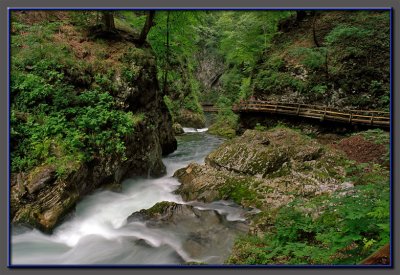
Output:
x=202 y=232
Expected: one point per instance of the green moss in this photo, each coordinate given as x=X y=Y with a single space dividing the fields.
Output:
x=28 y=215
x=222 y=130
x=159 y=207
x=240 y=190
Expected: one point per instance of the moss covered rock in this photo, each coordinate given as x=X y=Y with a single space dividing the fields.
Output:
x=264 y=170
x=178 y=130
x=222 y=130
x=191 y=119
x=259 y=153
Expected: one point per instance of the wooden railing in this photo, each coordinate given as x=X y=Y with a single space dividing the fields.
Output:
x=366 y=117
x=209 y=108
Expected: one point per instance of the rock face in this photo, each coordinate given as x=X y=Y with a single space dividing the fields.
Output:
x=190 y=119
x=202 y=232
x=40 y=199
x=264 y=170
x=178 y=130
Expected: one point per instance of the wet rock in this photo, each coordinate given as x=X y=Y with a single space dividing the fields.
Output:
x=178 y=130
x=203 y=232
x=199 y=182
x=38 y=178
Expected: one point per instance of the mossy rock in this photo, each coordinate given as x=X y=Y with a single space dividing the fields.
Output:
x=155 y=211
x=178 y=130
x=222 y=131
x=265 y=170
x=191 y=119
x=262 y=153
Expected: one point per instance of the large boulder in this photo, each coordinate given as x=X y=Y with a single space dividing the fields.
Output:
x=191 y=119
x=264 y=170
x=259 y=153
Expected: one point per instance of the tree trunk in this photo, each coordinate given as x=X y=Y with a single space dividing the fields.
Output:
x=314 y=31
x=166 y=59
x=108 y=21
x=300 y=15
x=326 y=65
x=147 y=26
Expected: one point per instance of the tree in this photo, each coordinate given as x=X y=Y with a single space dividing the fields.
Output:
x=108 y=21
x=147 y=26
x=173 y=40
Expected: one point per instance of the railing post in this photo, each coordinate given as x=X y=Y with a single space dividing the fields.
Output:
x=276 y=107
x=298 y=109
x=350 y=117
x=323 y=117
x=372 y=119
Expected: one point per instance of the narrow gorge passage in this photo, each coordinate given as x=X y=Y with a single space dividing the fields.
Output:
x=98 y=232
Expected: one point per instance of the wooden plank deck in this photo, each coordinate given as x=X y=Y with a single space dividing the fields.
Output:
x=365 y=117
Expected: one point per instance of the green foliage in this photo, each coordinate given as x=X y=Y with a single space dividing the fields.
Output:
x=319 y=89
x=173 y=106
x=62 y=111
x=349 y=228
x=226 y=121
x=342 y=228
x=272 y=82
x=83 y=18
x=377 y=136
x=259 y=127
x=225 y=112
x=354 y=65
x=311 y=58
x=245 y=89
x=349 y=37
x=175 y=60
x=351 y=61
x=191 y=102
x=245 y=34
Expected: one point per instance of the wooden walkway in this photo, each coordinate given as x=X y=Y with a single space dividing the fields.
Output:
x=322 y=113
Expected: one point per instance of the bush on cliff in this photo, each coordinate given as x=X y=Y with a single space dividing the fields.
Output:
x=62 y=106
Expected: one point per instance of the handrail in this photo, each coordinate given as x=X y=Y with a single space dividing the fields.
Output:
x=321 y=112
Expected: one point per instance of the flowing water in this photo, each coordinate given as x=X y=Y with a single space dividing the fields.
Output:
x=98 y=232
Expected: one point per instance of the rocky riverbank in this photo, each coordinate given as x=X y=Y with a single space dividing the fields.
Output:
x=271 y=170
x=42 y=196
x=265 y=170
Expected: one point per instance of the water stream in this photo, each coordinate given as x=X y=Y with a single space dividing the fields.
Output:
x=98 y=232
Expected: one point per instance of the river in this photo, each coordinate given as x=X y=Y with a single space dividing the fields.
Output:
x=97 y=232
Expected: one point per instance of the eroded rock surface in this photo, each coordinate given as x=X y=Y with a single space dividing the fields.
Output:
x=265 y=170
